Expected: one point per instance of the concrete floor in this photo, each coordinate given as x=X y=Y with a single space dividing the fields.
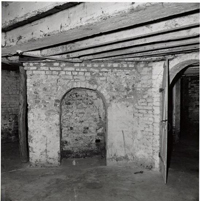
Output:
x=88 y=180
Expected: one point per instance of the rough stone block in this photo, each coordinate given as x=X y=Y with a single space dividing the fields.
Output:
x=55 y=68
x=87 y=73
x=81 y=73
x=38 y=72
x=55 y=72
x=69 y=68
x=76 y=64
x=48 y=72
x=56 y=64
x=43 y=68
x=33 y=68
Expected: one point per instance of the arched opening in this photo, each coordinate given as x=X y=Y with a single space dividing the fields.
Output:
x=83 y=126
x=183 y=144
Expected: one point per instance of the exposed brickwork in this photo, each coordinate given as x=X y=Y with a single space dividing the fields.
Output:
x=127 y=90
x=9 y=105
x=83 y=124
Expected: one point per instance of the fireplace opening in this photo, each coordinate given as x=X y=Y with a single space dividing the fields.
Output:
x=83 y=124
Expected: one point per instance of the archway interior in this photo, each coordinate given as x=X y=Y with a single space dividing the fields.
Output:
x=83 y=125
x=184 y=112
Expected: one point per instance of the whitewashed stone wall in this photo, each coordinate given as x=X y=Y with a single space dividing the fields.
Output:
x=133 y=105
x=127 y=90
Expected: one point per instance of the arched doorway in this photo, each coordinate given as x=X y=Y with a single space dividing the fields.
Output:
x=83 y=124
x=183 y=144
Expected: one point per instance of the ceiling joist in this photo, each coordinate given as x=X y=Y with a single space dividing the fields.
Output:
x=138 y=16
x=166 y=26
x=179 y=35
x=7 y=26
x=176 y=50
x=144 y=48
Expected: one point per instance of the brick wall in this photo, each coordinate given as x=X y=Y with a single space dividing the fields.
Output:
x=9 y=105
x=127 y=90
x=83 y=124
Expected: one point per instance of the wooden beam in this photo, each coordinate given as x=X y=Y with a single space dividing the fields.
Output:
x=27 y=57
x=64 y=57
x=23 y=141
x=29 y=17
x=10 y=61
x=136 y=59
x=156 y=53
x=170 y=25
x=149 y=47
x=172 y=36
x=56 y=58
x=37 y=36
x=14 y=12
x=64 y=21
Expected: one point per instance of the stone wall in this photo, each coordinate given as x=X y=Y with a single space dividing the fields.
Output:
x=9 y=105
x=83 y=124
x=128 y=94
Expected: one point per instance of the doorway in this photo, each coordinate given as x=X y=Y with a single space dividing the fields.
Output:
x=183 y=144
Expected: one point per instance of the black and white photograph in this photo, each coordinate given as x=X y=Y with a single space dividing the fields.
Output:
x=100 y=100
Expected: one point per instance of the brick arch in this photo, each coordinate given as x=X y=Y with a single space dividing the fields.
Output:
x=104 y=95
x=180 y=66
x=86 y=85
x=75 y=86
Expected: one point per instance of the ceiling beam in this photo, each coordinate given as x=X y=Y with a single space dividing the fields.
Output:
x=184 y=34
x=149 y=47
x=46 y=29
x=11 y=61
x=137 y=59
x=48 y=32
x=29 y=17
x=134 y=33
x=142 y=54
x=155 y=53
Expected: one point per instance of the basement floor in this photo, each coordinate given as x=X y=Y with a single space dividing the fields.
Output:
x=89 y=180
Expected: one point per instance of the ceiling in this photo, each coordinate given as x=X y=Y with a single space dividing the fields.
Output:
x=149 y=40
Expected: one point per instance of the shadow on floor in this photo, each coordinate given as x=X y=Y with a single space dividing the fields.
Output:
x=184 y=168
